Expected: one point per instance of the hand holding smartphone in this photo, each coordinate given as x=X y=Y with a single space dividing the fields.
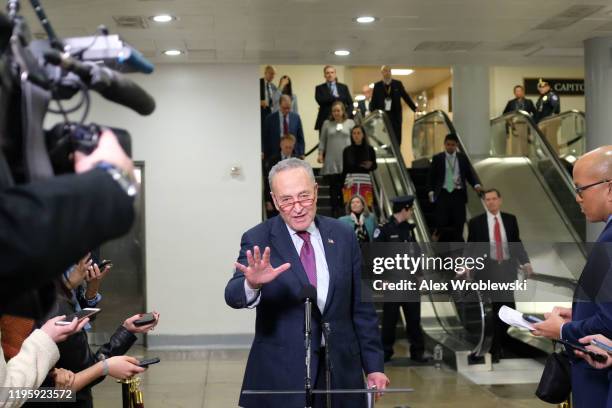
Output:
x=87 y=312
x=600 y=358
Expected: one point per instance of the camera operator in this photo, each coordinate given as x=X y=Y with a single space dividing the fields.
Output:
x=44 y=226
x=47 y=224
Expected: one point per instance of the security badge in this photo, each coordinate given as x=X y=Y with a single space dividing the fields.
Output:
x=376 y=233
x=387 y=104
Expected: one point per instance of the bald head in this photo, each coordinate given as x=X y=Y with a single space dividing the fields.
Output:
x=596 y=163
x=593 y=172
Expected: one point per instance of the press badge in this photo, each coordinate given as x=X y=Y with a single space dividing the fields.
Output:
x=387 y=104
x=339 y=127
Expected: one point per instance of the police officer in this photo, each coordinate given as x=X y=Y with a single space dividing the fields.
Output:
x=398 y=229
x=548 y=104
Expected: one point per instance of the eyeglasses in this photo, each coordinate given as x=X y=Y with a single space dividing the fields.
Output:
x=579 y=190
x=287 y=204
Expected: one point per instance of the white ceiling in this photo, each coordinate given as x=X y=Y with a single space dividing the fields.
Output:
x=446 y=32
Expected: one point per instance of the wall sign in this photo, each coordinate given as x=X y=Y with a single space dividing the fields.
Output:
x=561 y=86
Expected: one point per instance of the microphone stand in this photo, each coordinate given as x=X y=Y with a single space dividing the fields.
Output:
x=307 y=346
x=326 y=335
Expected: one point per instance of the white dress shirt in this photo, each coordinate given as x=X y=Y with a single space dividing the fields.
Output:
x=451 y=160
x=253 y=295
x=504 y=237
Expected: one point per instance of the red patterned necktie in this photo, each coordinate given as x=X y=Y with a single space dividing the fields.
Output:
x=499 y=250
x=307 y=256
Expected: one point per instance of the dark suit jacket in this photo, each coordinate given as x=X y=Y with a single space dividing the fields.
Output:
x=590 y=387
x=513 y=105
x=272 y=134
x=276 y=360
x=478 y=228
x=45 y=226
x=397 y=93
x=268 y=164
x=437 y=172
x=325 y=99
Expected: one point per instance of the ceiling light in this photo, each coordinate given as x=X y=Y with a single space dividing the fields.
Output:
x=397 y=71
x=360 y=97
x=173 y=53
x=365 y=19
x=163 y=18
x=342 y=53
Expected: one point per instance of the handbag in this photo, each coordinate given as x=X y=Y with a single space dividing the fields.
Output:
x=556 y=382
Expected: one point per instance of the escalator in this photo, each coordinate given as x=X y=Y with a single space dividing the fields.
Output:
x=463 y=329
x=535 y=187
x=548 y=148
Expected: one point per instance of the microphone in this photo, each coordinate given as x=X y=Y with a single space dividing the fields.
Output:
x=308 y=292
x=110 y=84
x=308 y=295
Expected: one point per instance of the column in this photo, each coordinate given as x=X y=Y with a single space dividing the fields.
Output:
x=598 y=99
x=471 y=107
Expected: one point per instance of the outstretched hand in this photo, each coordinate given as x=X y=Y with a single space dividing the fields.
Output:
x=259 y=271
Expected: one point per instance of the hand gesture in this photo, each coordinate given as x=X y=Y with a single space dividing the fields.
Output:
x=259 y=270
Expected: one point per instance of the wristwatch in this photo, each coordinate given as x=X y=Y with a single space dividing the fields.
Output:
x=121 y=177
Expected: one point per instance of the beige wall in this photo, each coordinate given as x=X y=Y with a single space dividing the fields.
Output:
x=304 y=79
x=503 y=80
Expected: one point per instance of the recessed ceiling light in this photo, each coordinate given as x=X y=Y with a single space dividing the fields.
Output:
x=342 y=53
x=399 y=71
x=365 y=19
x=163 y=18
x=173 y=53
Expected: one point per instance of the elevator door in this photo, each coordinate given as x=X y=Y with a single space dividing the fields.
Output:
x=123 y=289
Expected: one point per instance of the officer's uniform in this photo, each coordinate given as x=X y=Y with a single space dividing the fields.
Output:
x=393 y=231
x=547 y=105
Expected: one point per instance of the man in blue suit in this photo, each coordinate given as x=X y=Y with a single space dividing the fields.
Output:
x=591 y=311
x=283 y=122
x=302 y=248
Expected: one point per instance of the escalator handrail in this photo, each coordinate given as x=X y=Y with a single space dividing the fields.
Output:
x=565 y=176
x=562 y=114
x=421 y=224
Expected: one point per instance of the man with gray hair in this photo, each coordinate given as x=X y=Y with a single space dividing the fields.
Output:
x=387 y=96
x=277 y=259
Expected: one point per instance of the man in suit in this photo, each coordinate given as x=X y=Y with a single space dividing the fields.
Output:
x=364 y=104
x=267 y=92
x=302 y=248
x=287 y=151
x=591 y=311
x=520 y=102
x=387 y=96
x=398 y=229
x=283 y=122
x=448 y=174
x=505 y=253
x=329 y=92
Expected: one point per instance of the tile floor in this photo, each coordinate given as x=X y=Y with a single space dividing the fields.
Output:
x=212 y=378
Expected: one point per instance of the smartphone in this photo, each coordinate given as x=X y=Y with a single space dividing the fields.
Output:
x=601 y=345
x=89 y=311
x=104 y=263
x=147 y=318
x=532 y=319
x=147 y=362
x=600 y=358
